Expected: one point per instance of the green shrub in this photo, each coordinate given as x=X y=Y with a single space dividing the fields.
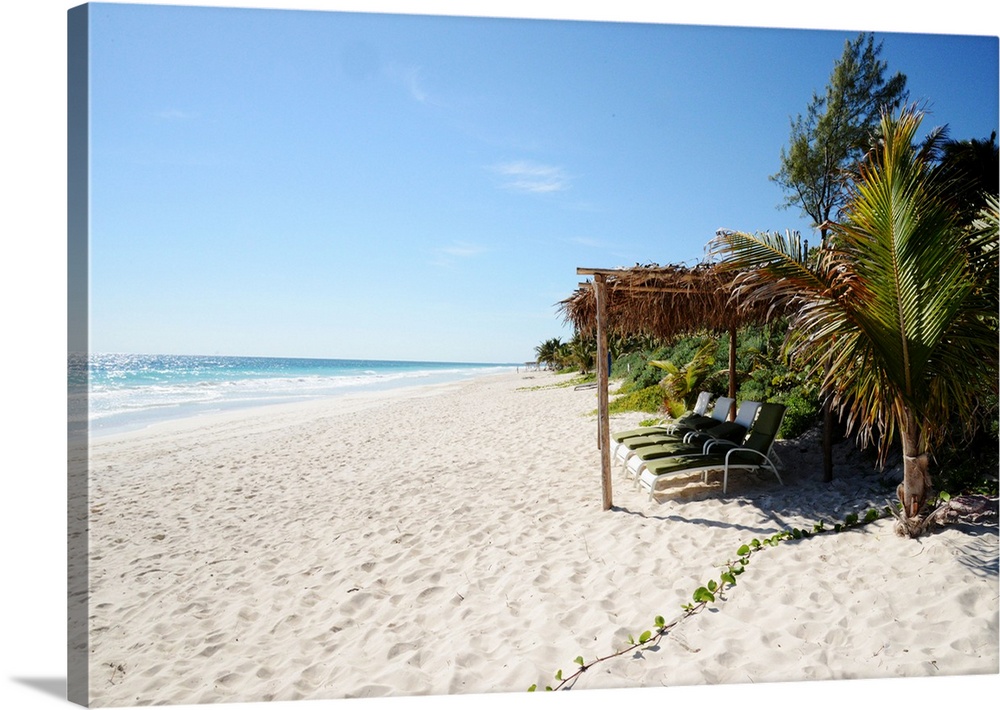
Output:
x=970 y=465
x=762 y=373
x=648 y=399
x=636 y=371
x=801 y=413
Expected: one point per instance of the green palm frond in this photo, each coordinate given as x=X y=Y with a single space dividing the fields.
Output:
x=982 y=246
x=900 y=316
x=680 y=382
x=776 y=269
x=912 y=269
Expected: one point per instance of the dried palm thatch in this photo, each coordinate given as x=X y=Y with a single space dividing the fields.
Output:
x=663 y=301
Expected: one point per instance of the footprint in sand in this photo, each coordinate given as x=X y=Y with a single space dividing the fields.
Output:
x=430 y=594
x=210 y=651
x=248 y=614
x=399 y=648
x=229 y=680
x=313 y=674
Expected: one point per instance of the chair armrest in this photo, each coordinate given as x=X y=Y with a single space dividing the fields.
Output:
x=717 y=444
x=740 y=449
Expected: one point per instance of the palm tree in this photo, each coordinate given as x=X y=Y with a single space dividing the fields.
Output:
x=548 y=352
x=895 y=304
x=581 y=353
x=681 y=382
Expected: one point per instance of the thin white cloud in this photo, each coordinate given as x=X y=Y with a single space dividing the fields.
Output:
x=448 y=255
x=527 y=176
x=410 y=79
x=463 y=249
x=588 y=242
x=173 y=114
x=414 y=86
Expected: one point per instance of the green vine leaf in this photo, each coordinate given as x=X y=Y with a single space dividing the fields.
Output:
x=743 y=551
x=578 y=660
x=660 y=622
x=532 y=688
x=701 y=594
x=559 y=674
x=645 y=636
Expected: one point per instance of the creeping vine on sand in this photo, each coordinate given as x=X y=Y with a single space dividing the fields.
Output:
x=709 y=593
x=945 y=510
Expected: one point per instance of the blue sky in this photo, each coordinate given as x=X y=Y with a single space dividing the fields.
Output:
x=329 y=184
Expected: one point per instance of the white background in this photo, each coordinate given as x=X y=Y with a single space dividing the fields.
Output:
x=33 y=260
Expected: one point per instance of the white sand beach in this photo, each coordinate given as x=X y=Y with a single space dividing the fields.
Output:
x=450 y=540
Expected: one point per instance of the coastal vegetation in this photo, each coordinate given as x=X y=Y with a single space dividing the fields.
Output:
x=906 y=308
x=665 y=378
x=888 y=328
x=578 y=354
x=897 y=313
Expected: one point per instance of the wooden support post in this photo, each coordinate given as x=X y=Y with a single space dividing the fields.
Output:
x=603 y=426
x=732 y=372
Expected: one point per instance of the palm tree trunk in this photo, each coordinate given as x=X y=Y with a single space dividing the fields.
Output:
x=916 y=486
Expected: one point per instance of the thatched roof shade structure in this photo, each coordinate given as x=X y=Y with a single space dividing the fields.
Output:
x=662 y=301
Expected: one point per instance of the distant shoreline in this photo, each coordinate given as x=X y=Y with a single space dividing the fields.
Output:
x=350 y=395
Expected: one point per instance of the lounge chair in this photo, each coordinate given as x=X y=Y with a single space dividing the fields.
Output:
x=745 y=415
x=646 y=448
x=753 y=454
x=721 y=410
x=693 y=442
x=695 y=422
x=700 y=407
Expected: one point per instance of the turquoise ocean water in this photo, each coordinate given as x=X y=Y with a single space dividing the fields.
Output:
x=114 y=392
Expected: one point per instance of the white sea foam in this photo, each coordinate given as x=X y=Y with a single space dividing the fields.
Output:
x=129 y=392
